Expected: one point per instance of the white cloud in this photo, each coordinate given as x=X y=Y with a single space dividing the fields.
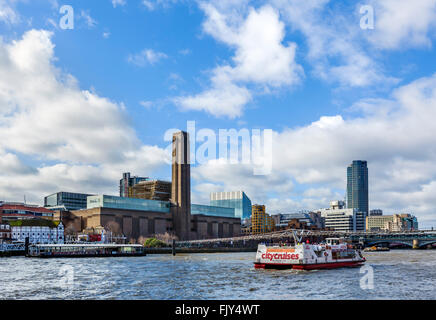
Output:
x=76 y=140
x=397 y=137
x=260 y=59
x=154 y=4
x=224 y=98
x=146 y=104
x=403 y=24
x=146 y=56
x=116 y=3
x=90 y=22
x=7 y=12
x=335 y=48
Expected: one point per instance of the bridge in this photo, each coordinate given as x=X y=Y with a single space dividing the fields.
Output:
x=408 y=239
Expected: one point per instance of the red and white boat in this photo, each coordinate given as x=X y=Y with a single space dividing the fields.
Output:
x=330 y=255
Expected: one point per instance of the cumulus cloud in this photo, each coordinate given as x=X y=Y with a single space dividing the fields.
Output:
x=79 y=140
x=396 y=136
x=260 y=59
x=403 y=24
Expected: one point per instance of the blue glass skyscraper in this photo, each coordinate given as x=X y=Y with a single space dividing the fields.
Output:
x=357 y=186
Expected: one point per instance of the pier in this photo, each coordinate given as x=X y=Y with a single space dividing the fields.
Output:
x=85 y=250
x=9 y=250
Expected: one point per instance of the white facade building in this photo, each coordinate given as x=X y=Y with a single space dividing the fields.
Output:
x=38 y=234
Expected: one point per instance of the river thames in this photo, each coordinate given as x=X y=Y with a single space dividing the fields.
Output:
x=398 y=274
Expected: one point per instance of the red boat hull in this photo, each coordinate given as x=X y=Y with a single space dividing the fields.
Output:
x=330 y=265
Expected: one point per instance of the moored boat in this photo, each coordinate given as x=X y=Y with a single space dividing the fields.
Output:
x=330 y=255
x=376 y=249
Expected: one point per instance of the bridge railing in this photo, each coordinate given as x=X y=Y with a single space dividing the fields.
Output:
x=235 y=241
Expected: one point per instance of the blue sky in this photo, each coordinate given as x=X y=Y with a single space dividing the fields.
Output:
x=331 y=91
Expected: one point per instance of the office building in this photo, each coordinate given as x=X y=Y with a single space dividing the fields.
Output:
x=357 y=186
x=66 y=201
x=339 y=218
x=236 y=199
x=128 y=181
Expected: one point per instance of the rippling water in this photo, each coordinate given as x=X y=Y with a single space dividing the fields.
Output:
x=400 y=274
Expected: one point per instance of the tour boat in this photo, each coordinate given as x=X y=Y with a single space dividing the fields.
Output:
x=306 y=256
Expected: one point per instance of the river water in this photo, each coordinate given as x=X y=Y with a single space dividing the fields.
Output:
x=398 y=274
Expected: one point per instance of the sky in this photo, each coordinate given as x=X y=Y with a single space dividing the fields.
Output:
x=89 y=91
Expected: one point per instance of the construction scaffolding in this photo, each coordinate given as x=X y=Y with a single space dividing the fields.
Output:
x=151 y=190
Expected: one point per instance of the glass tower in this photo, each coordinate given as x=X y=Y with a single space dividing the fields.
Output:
x=357 y=186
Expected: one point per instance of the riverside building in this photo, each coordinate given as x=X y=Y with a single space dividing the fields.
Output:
x=339 y=218
x=38 y=231
x=135 y=218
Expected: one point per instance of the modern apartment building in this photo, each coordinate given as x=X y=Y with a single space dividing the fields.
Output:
x=261 y=222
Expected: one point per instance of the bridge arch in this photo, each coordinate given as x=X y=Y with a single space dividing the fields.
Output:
x=390 y=242
x=426 y=243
